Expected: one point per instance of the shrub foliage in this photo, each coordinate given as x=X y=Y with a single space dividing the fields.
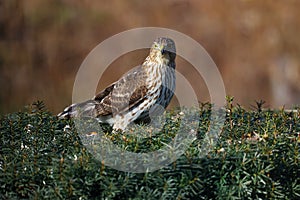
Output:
x=256 y=157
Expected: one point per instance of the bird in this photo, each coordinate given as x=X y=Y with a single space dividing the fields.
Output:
x=143 y=90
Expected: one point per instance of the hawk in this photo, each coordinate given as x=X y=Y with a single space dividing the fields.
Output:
x=136 y=94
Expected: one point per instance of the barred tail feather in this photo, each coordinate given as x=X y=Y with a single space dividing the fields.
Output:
x=85 y=109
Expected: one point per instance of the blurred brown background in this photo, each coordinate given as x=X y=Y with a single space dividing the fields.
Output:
x=255 y=45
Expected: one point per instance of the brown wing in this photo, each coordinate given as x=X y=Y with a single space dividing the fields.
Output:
x=104 y=93
x=122 y=95
x=137 y=96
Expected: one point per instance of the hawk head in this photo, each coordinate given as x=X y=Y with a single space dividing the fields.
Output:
x=164 y=49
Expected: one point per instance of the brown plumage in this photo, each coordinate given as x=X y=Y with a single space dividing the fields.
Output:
x=135 y=94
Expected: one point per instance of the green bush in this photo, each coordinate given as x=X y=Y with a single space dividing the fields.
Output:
x=256 y=157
